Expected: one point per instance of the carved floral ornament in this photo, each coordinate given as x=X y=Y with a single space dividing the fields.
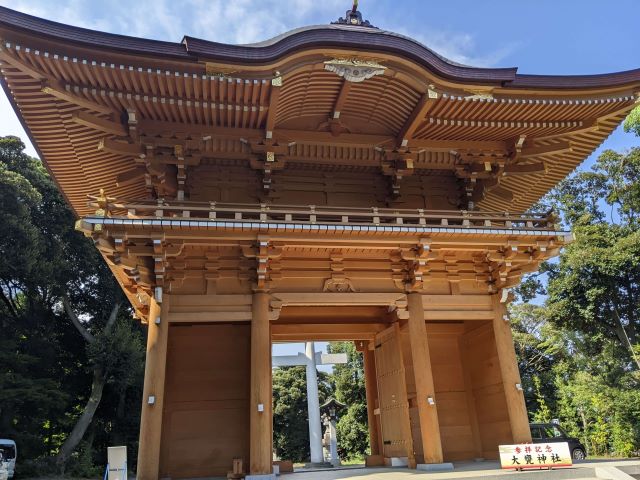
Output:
x=354 y=69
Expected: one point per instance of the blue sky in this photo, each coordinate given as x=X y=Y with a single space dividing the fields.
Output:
x=538 y=36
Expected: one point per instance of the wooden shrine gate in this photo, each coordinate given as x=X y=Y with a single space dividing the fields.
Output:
x=233 y=214
x=392 y=396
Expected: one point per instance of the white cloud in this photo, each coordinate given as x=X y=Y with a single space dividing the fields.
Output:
x=458 y=47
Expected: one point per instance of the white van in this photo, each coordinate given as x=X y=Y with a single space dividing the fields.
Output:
x=9 y=454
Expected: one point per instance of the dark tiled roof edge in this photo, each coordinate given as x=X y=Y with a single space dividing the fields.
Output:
x=329 y=36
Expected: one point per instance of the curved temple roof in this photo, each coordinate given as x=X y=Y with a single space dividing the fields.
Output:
x=319 y=36
x=95 y=102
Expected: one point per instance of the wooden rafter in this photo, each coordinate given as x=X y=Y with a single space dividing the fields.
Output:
x=416 y=118
x=591 y=125
x=7 y=58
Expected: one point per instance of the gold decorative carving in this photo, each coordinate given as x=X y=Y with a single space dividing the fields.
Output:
x=479 y=94
x=432 y=93
x=338 y=284
x=213 y=70
x=354 y=69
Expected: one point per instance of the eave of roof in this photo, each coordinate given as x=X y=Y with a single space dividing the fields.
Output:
x=325 y=36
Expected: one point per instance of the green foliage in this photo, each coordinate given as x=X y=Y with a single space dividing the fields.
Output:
x=595 y=286
x=543 y=413
x=290 y=413
x=632 y=123
x=578 y=351
x=353 y=432
x=46 y=369
x=352 y=429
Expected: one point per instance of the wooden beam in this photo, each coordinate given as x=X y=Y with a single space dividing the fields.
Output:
x=416 y=118
x=260 y=416
x=156 y=128
x=153 y=391
x=449 y=315
x=120 y=148
x=453 y=145
x=130 y=177
x=65 y=92
x=425 y=390
x=553 y=149
x=98 y=123
x=345 y=139
x=511 y=381
x=525 y=169
x=276 y=88
x=341 y=98
x=324 y=332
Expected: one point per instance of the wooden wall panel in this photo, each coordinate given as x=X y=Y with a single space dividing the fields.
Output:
x=491 y=406
x=304 y=185
x=455 y=424
x=206 y=421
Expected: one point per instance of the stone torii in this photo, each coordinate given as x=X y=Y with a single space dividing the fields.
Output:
x=310 y=359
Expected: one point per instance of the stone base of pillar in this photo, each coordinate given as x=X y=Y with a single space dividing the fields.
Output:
x=264 y=476
x=435 y=467
x=399 y=461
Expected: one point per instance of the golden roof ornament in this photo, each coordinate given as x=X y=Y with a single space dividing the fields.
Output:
x=354 y=69
x=353 y=17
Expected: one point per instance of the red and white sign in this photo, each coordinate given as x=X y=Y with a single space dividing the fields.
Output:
x=535 y=455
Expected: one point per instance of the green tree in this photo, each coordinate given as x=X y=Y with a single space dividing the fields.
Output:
x=349 y=380
x=290 y=413
x=595 y=287
x=56 y=291
x=579 y=350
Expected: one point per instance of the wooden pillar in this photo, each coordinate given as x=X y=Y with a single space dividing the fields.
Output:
x=428 y=414
x=260 y=417
x=153 y=391
x=516 y=406
x=371 y=388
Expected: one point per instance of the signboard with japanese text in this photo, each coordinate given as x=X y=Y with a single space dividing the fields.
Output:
x=535 y=455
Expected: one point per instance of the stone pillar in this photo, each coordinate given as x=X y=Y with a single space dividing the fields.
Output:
x=260 y=416
x=371 y=388
x=427 y=410
x=313 y=405
x=333 y=442
x=516 y=406
x=153 y=391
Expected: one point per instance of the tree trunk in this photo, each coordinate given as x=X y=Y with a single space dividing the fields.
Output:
x=621 y=333
x=72 y=441
x=118 y=436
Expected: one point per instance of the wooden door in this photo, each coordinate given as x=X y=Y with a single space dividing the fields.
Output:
x=392 y=395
